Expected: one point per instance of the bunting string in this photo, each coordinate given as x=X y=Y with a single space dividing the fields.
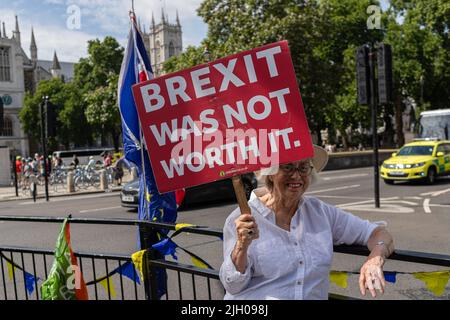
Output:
x=435 y=281
x=30 y=280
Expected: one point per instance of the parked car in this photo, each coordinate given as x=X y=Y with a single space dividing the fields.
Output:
x=214 y=191
x=424 y=159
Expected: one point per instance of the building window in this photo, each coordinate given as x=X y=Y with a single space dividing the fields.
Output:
x=157 y=53
x=7 y=127
x=5 y=69
x=171 y=50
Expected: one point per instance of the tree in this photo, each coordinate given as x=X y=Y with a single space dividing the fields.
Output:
x=419 y=35
x=104 y=58
x=102 y=112
x=344 y=28
x=75 y=129
x=72 y=126
x=96 y=77
x=319 y=33
x=30 y=113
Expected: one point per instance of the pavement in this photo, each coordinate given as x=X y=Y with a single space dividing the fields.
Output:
x=9 y=193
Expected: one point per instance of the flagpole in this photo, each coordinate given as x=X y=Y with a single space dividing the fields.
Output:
x=150 y=282
x=141 y=136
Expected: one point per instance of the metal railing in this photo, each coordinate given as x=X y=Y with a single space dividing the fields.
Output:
x=189 y=282
x=182 y=281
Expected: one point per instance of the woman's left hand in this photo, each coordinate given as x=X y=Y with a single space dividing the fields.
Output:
x=371 y=276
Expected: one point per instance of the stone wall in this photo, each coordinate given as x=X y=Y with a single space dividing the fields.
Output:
x=356 y=159
x=5 y=167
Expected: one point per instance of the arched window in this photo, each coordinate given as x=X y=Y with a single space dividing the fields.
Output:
x=7 y=127
x=171 y=49
x=157 y=52
x=5 y=73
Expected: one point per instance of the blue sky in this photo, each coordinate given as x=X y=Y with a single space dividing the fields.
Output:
x=98 y=18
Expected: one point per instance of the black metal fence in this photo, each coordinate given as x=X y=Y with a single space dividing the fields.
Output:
x=23 y=269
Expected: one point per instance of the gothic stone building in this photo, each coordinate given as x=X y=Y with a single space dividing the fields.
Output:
x=19 y=74
x=163 y=41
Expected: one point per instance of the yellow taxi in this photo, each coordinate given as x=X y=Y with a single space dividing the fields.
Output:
x=421 y=159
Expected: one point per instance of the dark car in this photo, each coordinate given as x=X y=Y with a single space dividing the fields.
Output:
x=214 y=191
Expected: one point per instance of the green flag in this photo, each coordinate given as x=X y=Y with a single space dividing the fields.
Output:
x=65 y=281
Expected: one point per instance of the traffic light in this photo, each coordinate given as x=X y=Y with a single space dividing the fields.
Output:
x=384 y=57
x=51 y=119
x=363 y=75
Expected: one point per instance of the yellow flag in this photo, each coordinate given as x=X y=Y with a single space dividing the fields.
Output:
x=198 y=263
x=435 y=281
x=137 y=261
x=183 y=225
x=339 y=278
x=11 y=270
x=105 y=283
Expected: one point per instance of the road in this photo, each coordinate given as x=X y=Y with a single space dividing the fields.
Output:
x=417 y=215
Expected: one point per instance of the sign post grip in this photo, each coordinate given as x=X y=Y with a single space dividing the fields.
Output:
x=240 y=195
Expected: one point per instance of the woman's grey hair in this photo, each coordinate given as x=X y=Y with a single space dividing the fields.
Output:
x=273 y=170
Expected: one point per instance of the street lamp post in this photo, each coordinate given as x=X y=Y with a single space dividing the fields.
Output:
x=44 y=143
x=373 y=105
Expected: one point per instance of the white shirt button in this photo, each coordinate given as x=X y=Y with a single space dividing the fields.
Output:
x=299 y=283
x=301 y=262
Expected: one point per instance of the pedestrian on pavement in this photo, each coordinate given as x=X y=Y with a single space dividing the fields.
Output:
x=107 y=160
x=75 y=161
x=119 y=166
x=284 y=249
x=28 y=172
x=19 y=168
x=35 y=164
x=91 y=164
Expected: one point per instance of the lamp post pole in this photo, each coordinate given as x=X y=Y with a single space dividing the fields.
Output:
x=374 y=108
x=44 y=143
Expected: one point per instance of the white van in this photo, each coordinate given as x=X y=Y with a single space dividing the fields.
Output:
x=83 y=155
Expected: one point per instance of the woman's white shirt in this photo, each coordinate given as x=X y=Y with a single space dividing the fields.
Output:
x=295 y=264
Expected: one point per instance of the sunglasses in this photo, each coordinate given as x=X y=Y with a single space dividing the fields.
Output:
x=304 y=169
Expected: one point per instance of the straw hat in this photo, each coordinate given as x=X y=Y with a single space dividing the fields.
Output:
x=320 y=159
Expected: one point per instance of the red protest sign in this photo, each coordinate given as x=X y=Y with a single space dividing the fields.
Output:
x=234 y=115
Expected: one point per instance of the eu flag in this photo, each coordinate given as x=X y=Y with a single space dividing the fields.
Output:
x=152 y=205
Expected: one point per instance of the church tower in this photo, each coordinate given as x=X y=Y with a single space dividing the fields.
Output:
x=163 y=41
x=33 y=48
x=16 y=32
x=56 y=67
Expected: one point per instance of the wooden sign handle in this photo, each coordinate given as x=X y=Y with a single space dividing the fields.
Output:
x=240 y=195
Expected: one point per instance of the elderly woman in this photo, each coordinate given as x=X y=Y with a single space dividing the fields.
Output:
x=284 y=249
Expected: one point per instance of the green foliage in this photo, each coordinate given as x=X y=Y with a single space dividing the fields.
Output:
x=102 y=112
x=70 y=113
x=323 y=36
x=105 y=58
x=319 y=34
x=421 y=49
x=30 y=113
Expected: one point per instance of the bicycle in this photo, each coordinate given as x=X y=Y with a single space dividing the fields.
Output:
x=58 y=178
x=85 y=178
x=26 y=185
